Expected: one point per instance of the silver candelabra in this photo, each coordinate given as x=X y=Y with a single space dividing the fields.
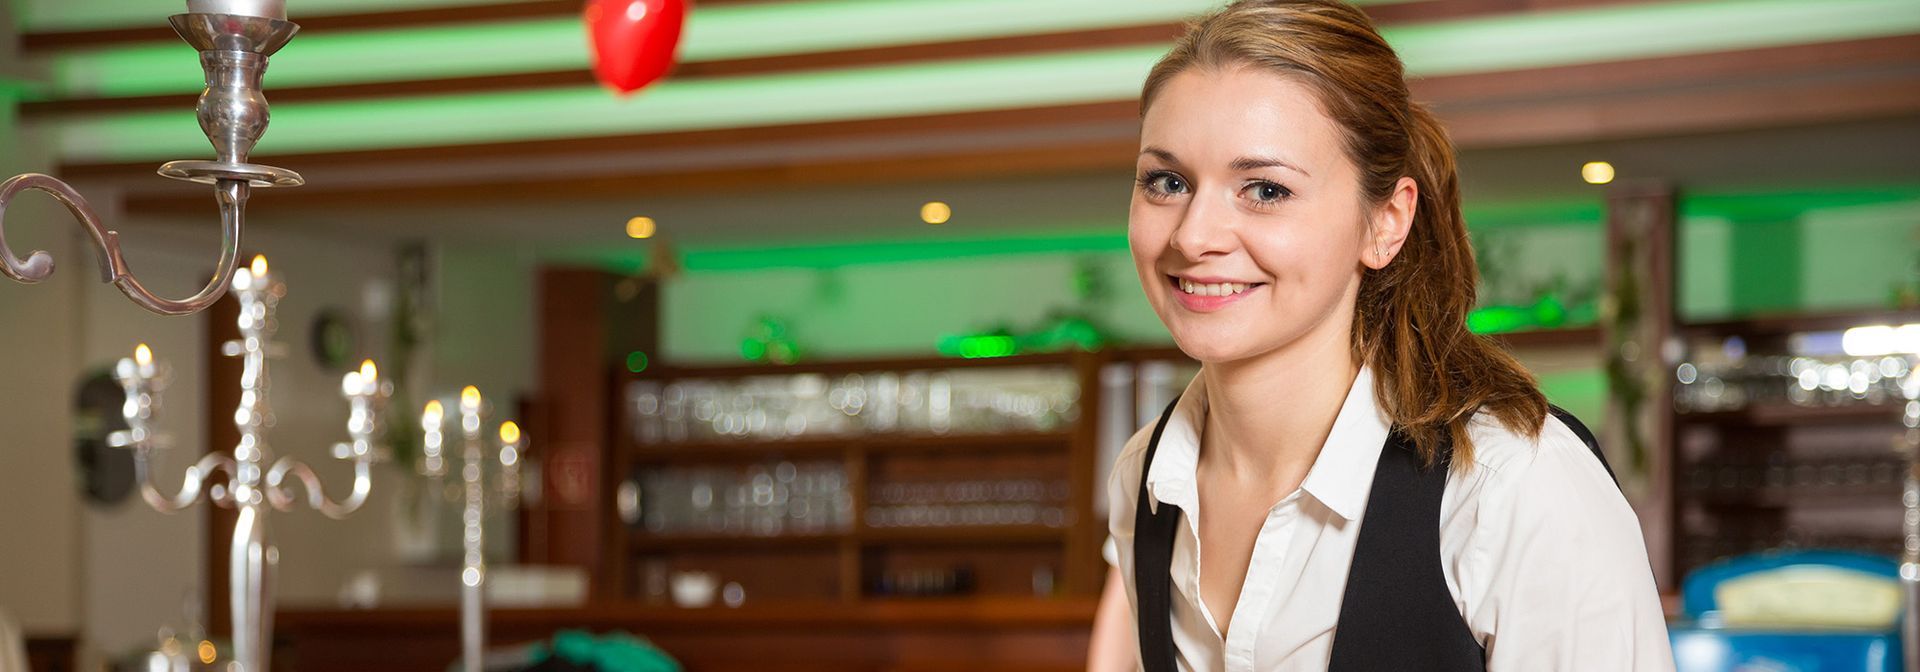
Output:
x=474 y=491
x=235 y=38
x=256 y=483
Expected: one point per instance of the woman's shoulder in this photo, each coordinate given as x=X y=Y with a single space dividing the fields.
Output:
x=1501 y=450
x=1552 y=479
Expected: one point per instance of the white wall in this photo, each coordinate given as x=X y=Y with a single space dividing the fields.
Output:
x=39 y=349
x=115 y=574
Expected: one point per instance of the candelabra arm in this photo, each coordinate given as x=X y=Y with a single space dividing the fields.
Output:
x=38 y=266
x=192 y=486
x=282 y=498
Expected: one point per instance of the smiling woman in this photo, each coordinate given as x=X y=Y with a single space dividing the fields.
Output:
x=1367 y=467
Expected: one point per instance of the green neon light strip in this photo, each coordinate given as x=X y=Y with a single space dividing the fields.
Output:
x=957 y=86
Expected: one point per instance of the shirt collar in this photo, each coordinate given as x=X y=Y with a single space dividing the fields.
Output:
x=1341 y=474
x=1175 y=461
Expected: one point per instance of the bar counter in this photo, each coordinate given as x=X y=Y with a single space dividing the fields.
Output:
x=1017 y=634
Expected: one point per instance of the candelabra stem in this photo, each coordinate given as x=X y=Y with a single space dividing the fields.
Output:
x=250 y=588
x=473 y=576
x=38 y=266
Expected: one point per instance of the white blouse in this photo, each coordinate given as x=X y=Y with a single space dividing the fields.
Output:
x=1541 y=553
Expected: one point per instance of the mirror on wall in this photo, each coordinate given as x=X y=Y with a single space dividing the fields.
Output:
x=105 y=472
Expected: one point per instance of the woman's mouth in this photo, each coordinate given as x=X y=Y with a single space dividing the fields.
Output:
x=1204 y=297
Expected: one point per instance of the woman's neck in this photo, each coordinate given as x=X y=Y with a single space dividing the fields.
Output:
x=1268 y=415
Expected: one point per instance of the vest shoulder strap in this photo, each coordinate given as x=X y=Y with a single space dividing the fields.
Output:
x=1153 y=533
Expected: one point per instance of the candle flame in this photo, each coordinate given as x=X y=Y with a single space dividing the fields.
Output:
x=434 y=412
x=259 y=265
x=470 y=398
x=142 y=354
x=368 y=372
x=509 y=432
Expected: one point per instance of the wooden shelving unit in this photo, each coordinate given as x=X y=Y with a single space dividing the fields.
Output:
x=843 y=566
x=1733 y=471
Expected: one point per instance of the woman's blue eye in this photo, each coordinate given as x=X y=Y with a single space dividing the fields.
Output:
x=1269 y=192
x=1166 y=183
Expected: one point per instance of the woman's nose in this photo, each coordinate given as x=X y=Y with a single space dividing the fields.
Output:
x=1207 y=227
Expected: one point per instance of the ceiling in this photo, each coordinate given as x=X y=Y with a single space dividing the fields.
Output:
x=794 y=121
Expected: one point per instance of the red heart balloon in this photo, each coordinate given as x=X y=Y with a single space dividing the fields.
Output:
x=634 y=40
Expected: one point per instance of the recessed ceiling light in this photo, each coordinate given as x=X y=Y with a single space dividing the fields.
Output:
x=1597 y=172
x=640 y=227
x=935 y=212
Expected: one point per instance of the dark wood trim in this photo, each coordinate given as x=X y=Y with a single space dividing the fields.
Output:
x=1083 y=572
x=52 y=653
x=928 y=635
x=677 y=140
x=1781 y=324
x=222 y=396
x=958 y=613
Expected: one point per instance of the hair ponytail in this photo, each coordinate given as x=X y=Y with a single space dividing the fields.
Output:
x=1410 y=320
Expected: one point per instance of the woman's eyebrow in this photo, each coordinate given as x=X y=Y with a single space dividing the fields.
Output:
x=1162 y=154
x=1242 y=164
x=1246 y=163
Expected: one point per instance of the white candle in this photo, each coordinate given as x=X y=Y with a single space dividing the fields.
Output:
x=431 y=422
x=470 y=411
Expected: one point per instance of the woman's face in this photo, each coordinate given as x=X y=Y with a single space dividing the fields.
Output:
x=1247 y=226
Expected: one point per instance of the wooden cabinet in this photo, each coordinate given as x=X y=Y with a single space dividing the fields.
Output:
x=857 y=482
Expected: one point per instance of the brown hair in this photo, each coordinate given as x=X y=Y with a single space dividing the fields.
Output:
x=1430 y=373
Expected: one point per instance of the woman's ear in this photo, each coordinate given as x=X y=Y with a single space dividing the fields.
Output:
x=1387 y=228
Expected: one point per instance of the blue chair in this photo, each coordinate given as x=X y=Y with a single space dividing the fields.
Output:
x=1793 y=611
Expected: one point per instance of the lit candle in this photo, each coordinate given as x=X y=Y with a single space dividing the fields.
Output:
x=470 y=411
x=509 y=443
x=431 y=418
x=510 y=449
x=136 y=376
x=431 y=421
x=143 y=361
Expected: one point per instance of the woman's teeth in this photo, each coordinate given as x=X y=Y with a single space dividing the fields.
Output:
x=1215 y=289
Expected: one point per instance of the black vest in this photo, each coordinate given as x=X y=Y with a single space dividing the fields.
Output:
x=1396 y=614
